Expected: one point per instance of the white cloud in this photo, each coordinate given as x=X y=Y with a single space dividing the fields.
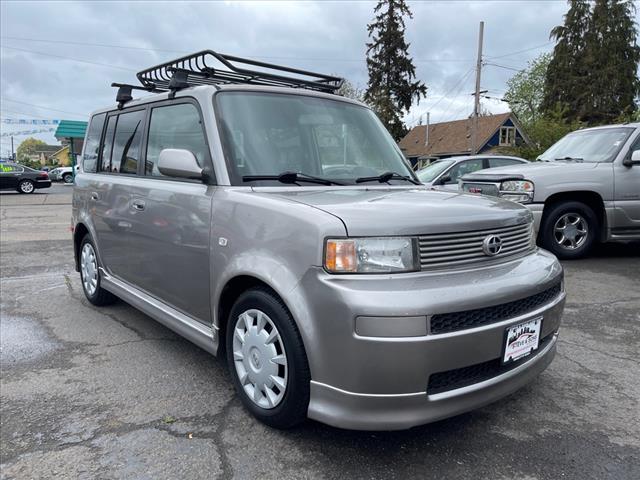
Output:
x=321 y=36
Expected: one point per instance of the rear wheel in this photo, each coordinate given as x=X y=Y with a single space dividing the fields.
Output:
x=67 y=178
x=26 y=186
x=90 y=275
x=569 y=230
x=267 y=360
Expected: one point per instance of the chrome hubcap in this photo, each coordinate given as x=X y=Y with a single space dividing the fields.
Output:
x=89 y=269
x=571 y=231
x=260 y=359
x=26 y=187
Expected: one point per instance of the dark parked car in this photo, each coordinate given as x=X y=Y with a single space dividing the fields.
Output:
x=14 y=176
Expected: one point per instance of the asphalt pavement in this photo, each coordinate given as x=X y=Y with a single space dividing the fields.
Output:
x=109 y=393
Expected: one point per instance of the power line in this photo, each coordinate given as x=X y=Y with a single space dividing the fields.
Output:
x=69 y=58
x=43 y=108
x=520 y=51
x=331 y=59
x=446 y=95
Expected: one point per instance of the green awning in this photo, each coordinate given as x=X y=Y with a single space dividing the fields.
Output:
x=70 y=129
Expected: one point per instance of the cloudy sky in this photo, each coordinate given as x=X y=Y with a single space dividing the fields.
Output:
x=59 y=58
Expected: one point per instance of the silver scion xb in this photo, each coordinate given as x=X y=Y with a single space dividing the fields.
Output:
x=277 y=224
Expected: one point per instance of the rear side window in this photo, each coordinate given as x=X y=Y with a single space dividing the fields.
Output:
x=92 y=145
x=108 y=145
x=127 y=143
x=175 y=126
x=502 y=162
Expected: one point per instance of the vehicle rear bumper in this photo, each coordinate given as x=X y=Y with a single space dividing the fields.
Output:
x=42 y=183
x=378 y=377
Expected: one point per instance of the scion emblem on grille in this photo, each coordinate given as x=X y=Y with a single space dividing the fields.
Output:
x=492 y=245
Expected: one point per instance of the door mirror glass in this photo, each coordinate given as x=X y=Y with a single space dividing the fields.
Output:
x=444 y=180
x=633 y=159
x=177 y=162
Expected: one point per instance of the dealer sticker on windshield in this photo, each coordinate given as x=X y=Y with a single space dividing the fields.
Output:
x=521 y=340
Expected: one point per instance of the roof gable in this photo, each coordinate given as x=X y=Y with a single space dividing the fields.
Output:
x=451 y=137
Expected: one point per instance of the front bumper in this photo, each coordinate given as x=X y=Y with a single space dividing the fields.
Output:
x=380 y=383
x=536 y=209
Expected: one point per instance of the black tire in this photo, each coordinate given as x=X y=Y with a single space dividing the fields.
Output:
x=565 y=251
x=292 y=409
x=100 y=297
x=67 y=178
x=26 y=186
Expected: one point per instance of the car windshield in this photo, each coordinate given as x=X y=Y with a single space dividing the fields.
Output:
x=600 y=145
x=272 y=133
x=430 y=172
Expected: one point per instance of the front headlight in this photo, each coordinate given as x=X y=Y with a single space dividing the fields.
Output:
x=517 y=190
x=371 y=255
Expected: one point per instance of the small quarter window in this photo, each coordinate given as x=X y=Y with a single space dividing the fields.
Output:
x=175 y=126
x=92 y=145
x=108 y=145
x=127 y=143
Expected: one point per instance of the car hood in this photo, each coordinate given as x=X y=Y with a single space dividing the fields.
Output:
x=407 y=211
x=530 y=171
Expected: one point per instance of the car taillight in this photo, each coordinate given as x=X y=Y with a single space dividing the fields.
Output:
x=43 y=176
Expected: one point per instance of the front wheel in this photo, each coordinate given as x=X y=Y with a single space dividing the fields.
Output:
x=569 y=230
x=26 y=186
x=267 y=360
x=67 y=178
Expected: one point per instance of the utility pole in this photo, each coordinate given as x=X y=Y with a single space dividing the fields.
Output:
x=13 y=155
x=476 y=107
x=426 y=139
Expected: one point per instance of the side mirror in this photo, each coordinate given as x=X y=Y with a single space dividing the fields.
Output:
x=444 y=180
x=177 y=162
x=633 y=159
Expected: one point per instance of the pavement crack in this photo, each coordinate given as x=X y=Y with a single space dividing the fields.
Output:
x=139 y=333
x=602 y=352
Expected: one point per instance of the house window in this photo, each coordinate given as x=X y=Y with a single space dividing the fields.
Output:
x=507 y=136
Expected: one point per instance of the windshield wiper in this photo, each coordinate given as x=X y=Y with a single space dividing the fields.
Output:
x=385 y=177
x=291 y=178
x=570 y=159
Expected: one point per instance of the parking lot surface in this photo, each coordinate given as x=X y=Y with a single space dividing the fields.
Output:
x=110 y=393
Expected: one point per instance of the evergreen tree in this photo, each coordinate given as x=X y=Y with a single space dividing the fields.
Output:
x=566 y=73
x=612 y=59
x=392 y=86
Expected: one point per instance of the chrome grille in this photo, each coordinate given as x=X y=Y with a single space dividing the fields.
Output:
x=465 y=248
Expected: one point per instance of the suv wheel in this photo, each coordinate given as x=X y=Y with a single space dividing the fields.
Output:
x=267 y=360
x=569 y=230
x=26 y=186
x=67 y=178
x=90 y=275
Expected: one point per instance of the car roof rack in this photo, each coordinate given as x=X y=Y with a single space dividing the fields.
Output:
x=198 y=69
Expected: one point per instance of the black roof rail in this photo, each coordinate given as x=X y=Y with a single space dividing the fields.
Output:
x=198 y=69
x=124 y=92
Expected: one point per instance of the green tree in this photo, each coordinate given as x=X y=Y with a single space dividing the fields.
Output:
x=567 y=69
x=392 y=85
x=525 y=90
x=26 y=148
x=543 y=132
x=349 y=90
x=612 y=60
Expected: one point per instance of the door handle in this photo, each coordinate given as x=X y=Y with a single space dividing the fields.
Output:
x=94 y=196
x=138 y=205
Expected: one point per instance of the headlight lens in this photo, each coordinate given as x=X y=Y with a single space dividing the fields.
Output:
x=517 y=190
x=517 y=186
x=371 y=255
